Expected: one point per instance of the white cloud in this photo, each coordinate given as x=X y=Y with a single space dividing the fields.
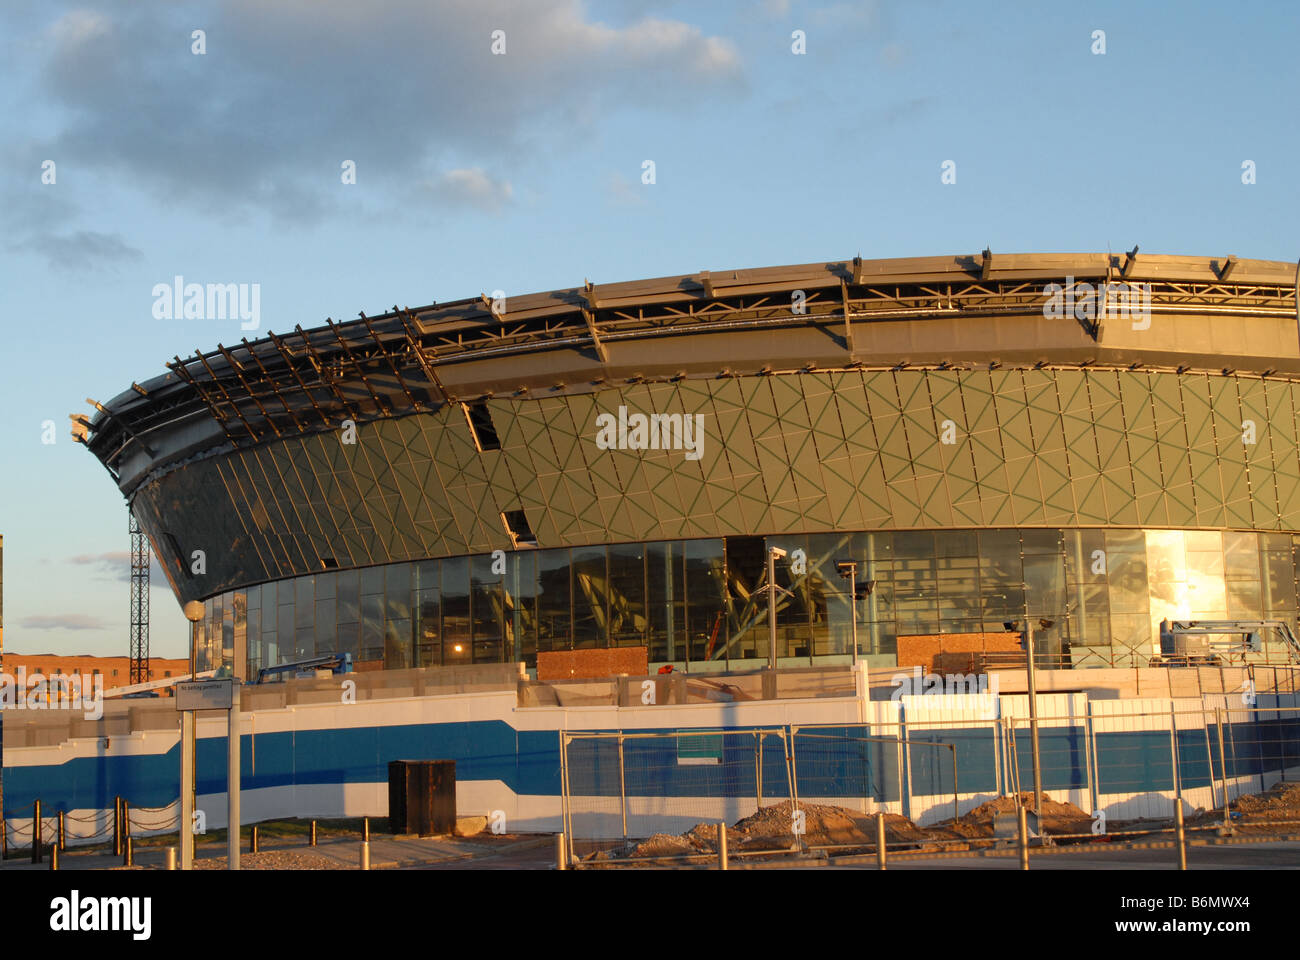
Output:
x=471 y=187
x=405 y=88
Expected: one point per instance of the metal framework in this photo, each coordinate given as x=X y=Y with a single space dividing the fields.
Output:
x=139 y=602
x=311 y=380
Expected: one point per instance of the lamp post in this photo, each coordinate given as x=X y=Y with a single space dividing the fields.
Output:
x=848 y=570
x=1028 y=635
x=185 y=828
x=772 y=554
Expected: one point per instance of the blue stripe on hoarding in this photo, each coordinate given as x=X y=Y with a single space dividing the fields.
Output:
x=831 y=762
x=483 y=750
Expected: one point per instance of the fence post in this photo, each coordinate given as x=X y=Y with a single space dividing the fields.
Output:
x=36 y=832
x=62 y=833
x=880 y=840
x=955 y=806
x=565 y=813
x=1223 y=765
x=561 y=862
x=4 y=837
x=365 y=854
x=622 y=785
x=722 y=845
x=128 y=860
x=365 y=829
x=788 y=736
x=117 y=826
x=758 y=768
x=794 y=778
x=54 y=857
x=1180 y=834
x=254 y=841
x=311 y=838
x=1174 y=753
x=1022 y=828
x=126 y=821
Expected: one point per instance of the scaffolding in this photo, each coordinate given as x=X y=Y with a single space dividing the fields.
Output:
x=139 y=602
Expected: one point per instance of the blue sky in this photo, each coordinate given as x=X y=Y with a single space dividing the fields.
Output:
x=523 y=171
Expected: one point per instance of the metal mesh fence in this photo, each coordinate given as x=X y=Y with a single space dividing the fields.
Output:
x=1112 y=770
x=620 y=788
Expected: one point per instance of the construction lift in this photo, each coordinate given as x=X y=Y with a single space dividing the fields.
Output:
x=1212 y=642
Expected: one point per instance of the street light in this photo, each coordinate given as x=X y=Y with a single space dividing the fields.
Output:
x=773 y=554
x=1027 y=638
x=193 y=613
x=185 y=829
x=848 y=570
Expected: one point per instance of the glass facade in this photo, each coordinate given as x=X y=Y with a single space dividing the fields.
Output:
x=699 y=602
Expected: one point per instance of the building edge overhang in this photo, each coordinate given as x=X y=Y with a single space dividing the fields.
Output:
x=960 y=312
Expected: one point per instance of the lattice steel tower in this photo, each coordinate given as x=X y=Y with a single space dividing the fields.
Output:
x=139 y=602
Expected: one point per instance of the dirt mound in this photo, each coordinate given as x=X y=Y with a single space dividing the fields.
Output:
x=1280 y=799
x=772 y=828
x=1056 y=817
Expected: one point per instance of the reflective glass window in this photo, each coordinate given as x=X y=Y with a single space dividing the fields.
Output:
x=348 y=589
x=706 y=604
x=521 y=606
x=665 y=601
x=456 y=636
x=487 y=608
x=590 y=595
x=745 y=634
x=554 y=608
x=626 y=595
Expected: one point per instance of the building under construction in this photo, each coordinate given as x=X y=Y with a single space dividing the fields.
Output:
x=1102 y=442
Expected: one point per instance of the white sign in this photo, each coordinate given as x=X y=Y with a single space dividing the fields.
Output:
x=205 y=695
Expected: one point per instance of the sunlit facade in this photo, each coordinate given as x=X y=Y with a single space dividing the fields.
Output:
x=433 y=487
x=692 y=603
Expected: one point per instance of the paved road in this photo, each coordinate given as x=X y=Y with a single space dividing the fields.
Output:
x=386 y=852
x=538 y=853
x=1245 y=856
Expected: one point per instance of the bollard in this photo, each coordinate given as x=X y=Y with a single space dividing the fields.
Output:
x=365 y=829
x=254 y=841
x=880 y=841
x=62 y=833
x=365 y=854
x=311 y=837
x=36 y=833
x=1180 y=834
x=1022 y=825
x=169 y=862
x=561 y=861
x=722 y=846
x=117 y=826
x=54 y=857
x=128 y=858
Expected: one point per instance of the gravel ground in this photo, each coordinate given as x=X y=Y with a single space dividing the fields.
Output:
x=274 y=860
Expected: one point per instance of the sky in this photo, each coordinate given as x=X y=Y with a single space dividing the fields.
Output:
x=133 y=150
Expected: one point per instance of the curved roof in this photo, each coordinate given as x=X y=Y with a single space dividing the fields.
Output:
x=957 y=311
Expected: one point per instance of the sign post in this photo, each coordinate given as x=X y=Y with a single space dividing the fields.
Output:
x=186 y=825
x=191 y=698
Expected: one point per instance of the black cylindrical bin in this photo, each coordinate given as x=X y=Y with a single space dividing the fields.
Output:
x=422 y=797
